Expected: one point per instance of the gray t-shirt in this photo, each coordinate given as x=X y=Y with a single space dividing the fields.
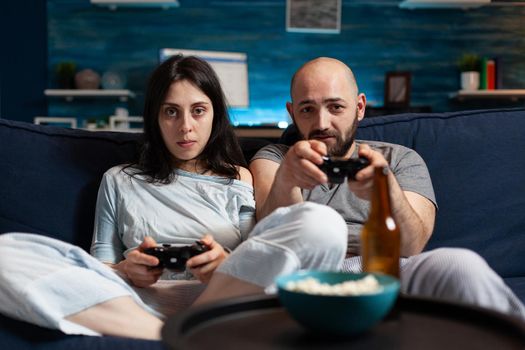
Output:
x=409 y=168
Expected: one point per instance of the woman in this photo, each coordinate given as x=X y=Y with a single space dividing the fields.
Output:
x=189 y=184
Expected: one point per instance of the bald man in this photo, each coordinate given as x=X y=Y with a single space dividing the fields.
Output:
x=326 y=108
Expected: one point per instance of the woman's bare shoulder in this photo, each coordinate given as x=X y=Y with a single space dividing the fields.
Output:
x=245 y=175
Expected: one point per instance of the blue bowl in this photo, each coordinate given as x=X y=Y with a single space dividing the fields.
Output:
x=337 y=315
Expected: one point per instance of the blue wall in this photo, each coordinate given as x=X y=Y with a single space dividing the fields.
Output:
x=23 y=59
x=376 y=36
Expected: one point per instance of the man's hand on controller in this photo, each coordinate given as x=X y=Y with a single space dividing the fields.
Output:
x=139 y=267
x=203 y=265
x=300 y=165
x=364 y=180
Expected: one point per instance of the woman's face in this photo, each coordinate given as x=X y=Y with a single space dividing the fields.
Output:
x=185 y=121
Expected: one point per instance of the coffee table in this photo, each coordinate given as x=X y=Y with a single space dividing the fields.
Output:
x=414 y=323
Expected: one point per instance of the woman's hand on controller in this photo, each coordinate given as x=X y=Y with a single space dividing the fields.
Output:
x=139 y=267
x=203 y=265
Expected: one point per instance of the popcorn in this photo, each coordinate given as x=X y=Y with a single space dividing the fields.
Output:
x=310 y=285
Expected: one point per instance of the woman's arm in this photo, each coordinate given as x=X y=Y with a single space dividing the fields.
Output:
x=107 y=245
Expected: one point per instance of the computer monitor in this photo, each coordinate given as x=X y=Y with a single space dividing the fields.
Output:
x=232 y=70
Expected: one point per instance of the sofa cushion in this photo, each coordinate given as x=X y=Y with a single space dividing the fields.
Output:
x=25 y=336
x=517 y=284
x=50 y=177
x=477 y=168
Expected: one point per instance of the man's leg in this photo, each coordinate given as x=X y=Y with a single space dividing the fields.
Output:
x=302 y=236
x=458 y=275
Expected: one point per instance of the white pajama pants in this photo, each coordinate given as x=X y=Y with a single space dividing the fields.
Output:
x=456 y=275
x=44 y=280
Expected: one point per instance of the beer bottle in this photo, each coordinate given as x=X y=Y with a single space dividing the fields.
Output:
x=380 y=237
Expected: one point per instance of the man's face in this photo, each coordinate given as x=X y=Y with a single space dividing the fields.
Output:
x=326 y=107
x=343 y=139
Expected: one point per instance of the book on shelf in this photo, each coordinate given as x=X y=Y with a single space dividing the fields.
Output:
x=499 y=72
x=483 y=74
x=490 y=77
x=491 y=74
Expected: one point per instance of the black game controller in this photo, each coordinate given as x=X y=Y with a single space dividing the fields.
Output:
x=174 y=257
x=337 y=170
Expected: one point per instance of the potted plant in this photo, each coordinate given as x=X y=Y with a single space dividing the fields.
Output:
x=91 y=123
x=469 y=65
x=65 y=74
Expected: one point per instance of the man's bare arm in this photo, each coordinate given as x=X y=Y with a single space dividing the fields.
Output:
x=413 y=213
x=268 y=197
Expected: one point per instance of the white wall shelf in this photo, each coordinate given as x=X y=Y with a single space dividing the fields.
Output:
x=69 y=95
x=114 y=4
x=72 y=122
x=442 y=4
x=134 y=130
x=456 y=4
x=512 y=94
x=240 y=132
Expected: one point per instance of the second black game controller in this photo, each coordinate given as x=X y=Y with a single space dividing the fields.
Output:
x=338 y=170
x=174 y=257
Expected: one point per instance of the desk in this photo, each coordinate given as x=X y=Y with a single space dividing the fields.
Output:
x=261 y=323
x=259 y=132
x=511 y=94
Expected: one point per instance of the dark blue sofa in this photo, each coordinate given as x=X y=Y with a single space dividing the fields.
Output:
x=49 y=179
x=476 y=161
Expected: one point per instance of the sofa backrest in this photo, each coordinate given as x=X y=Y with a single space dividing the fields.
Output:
x=49 y=176
x=477 y=164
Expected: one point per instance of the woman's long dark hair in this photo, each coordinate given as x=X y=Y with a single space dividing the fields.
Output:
x=222 y=152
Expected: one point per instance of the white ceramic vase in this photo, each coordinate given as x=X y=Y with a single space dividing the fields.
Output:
x=469 y=81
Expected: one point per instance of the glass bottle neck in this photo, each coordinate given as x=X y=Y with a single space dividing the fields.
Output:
x=380 y=196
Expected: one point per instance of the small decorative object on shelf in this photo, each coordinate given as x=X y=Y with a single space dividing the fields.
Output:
x=91 y=123
x=126 y=123
x=65 y=74
x=397 y=89
x=87 y=79
x=469 y=65
x=113 y=81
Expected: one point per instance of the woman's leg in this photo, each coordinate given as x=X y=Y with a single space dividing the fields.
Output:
x=302 y=236
x=57 y=285
x=120 y=316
